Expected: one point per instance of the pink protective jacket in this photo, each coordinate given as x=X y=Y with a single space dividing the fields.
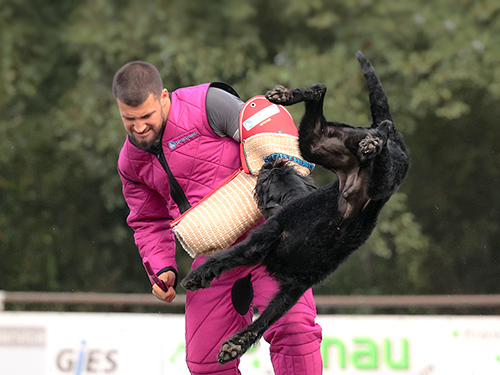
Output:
x=199 y=159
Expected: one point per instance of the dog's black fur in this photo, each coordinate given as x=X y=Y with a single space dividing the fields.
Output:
x=278 y=184
x=309 y=237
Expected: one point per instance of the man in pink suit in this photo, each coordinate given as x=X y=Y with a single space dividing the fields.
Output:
x=192 y=134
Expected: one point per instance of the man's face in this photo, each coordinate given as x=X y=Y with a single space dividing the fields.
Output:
x=145 y=122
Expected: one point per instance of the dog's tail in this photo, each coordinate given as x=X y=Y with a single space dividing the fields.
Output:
x=379 y=104
x=278 y=184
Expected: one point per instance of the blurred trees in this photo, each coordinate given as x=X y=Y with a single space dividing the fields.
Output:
x=62 y=216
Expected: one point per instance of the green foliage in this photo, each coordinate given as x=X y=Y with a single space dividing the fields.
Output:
x=62 y=217
x=390 y=262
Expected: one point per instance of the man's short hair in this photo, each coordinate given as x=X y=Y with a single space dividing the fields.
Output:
x=135 y=81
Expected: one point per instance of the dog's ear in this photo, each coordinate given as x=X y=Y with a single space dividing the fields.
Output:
x=309 y=183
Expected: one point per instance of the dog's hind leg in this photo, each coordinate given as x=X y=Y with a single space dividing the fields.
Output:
x=313 y=97
x=241 y=341
x=247 y=253
x=312 y=131
x=284 y=96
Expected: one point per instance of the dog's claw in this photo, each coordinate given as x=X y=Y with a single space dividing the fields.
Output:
x=284 y=96
x=236 y=346
x=370 y=146
x=229 y=352
x=195 y=282
x=279 y=94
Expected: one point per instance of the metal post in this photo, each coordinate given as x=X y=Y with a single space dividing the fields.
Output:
x=2 y=300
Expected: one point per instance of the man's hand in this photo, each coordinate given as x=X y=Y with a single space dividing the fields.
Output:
x=169 y=280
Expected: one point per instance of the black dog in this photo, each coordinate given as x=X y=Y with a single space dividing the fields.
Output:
x=308 y=238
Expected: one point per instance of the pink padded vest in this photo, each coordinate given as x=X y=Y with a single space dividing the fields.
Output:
x=199 y=159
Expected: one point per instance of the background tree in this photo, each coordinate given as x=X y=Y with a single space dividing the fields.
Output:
x=62 y=216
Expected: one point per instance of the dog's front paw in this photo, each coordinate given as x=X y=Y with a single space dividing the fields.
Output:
x=197 y=280
x=369 y=147
x=279 y=95
x=236 y=346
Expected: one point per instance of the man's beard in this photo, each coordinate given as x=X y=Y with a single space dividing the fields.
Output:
x=149 y=145
x=145 y=145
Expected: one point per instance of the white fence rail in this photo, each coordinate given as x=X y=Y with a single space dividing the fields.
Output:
x=322 y=301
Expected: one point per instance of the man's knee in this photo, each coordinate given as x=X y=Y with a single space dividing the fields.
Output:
x=294 y=337
x=213 y=368
x=296 y=333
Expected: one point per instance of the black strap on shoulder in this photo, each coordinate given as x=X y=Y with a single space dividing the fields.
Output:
x=175 y=189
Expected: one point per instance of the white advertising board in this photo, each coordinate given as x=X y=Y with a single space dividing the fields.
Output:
x=98 y=344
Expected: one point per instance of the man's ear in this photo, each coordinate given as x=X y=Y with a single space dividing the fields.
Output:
x=165 y=100
x=164 y=95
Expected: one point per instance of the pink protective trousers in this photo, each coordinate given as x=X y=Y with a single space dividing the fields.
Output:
x=211 y=318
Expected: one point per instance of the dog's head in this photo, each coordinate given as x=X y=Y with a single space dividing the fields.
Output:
x=278 y=184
